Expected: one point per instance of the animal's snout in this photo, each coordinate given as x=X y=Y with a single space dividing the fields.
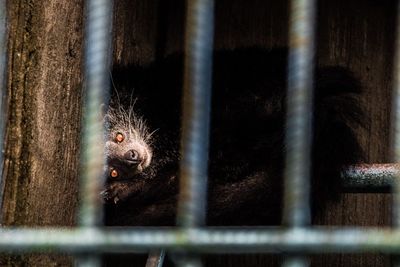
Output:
x=132 y=157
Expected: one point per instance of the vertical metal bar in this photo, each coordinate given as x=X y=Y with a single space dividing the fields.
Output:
x=196 y=112
x=295 y=262
x=196 y=116
x=87 y=261
x=155 y=259
x=98 y=39
x=396 y=122
x=3 y=92
x=97 y=56
x=299 y=118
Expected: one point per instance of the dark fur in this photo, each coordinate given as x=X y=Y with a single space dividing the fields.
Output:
x=246 y=149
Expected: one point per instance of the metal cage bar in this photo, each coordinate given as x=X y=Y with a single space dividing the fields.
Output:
x=97 y=50
x=396 y=122
x=369 y=177
x=196 y=112
x=298 y=134
x=295 y=240
x=211 y=240
x=299 y=109
x=3 y=91
x=97 y=54
x=156 y=258
x=196 y=118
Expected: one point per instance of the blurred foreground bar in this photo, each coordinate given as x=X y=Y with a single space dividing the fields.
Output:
x=298 y=133
x=3 y=90
x=210 y=240
x=97 y=59
x=196 y=119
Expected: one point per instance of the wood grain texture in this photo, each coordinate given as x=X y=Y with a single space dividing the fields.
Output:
x=43 y=125
x=359 y=35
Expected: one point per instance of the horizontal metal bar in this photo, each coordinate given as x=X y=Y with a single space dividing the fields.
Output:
x=210 y=240
x=370 y=177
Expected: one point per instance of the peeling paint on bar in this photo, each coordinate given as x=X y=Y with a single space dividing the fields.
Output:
x=210 y=240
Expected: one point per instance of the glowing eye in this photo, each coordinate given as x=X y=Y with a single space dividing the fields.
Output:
x=119 y=138
x=114 y=173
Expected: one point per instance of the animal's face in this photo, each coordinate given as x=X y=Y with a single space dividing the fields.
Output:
x=127 y=149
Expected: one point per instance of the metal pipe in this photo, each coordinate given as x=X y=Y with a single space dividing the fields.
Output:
x=370 y=177
x=3 y=92
x=210 y=240
x=87 y=261
x=295 y=261
x=97 y=60
x=196 y=112
x=299 y=106
x=155 y=258
x=97 y=51
x=196 y=118
x=396 y=121
x=296 y=212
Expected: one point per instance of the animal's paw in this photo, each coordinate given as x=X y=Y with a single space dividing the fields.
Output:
x=122 y=190
x=109 y=196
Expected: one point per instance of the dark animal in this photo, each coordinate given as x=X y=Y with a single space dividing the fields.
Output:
x=246 y=151
x=128 y=150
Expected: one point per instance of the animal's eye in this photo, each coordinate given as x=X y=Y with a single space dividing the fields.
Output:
x=119 y=137
x=114 y=173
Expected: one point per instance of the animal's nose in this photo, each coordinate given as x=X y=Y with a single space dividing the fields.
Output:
x=132 y=156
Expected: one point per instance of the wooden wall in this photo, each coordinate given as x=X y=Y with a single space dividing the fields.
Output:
x=44 y=89
x=45 y=78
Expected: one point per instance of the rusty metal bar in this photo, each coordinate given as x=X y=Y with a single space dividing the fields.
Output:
x=210 y=240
